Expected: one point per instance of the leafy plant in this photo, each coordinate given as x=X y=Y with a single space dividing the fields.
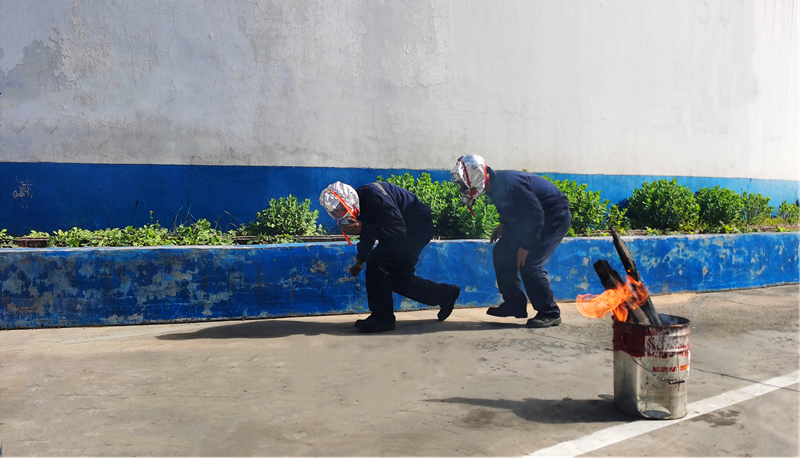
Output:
x=72 y=238
x=663 y=205
x=789 y=212
x=450 y=217
x=6 y=241
x=153 y=234
x=719 y=207
x=651 y=231
x=617 y=217
x=589 y=211
x=200 y=233
x=285 y=217
x=756 y=209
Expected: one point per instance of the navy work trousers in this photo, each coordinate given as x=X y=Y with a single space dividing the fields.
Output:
x=391 y=266
x=534 y=277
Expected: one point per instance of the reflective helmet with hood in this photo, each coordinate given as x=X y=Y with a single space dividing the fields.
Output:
x=471 y=177
x=340 y=201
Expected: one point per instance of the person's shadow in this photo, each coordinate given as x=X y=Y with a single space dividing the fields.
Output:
x=282 y=327
x=552 y=411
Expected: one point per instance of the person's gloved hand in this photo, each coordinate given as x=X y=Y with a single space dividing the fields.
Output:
x=356 y=268
x=497 y=233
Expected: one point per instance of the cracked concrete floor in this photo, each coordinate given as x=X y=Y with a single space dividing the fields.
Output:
x=473 y=385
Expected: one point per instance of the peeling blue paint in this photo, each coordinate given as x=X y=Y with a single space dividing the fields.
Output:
x=114 y=286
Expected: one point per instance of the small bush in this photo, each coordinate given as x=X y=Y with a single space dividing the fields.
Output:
x=789 y=212
x=285 y=217
x=617 y=217
x=74 y=238
x=199 y=233
x=455 y=220
x=6 y=241
x=588 y=211
x=663 y=205
x=450 y=217
x=756 y=209
x=719 y=207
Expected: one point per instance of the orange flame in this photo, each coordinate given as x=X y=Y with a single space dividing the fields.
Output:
x=632 y=293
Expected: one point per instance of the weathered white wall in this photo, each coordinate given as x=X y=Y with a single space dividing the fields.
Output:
x=593 y=87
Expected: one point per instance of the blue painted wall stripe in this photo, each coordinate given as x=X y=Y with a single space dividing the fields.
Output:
x=106 y=286
x=51 y=196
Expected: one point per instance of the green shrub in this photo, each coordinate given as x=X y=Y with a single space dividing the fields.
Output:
x=455 y=220
x=74 y=238
x=200 y=233
x=589 y=211
x=756 y=209
x=719 y=207
x=663 y=205
x=153 y=234
x=617 y=217
x=285 y=217
x=450 y=217
x=789 y=212
x=6 y=241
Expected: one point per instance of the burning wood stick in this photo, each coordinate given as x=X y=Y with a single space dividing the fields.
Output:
x=612 y=280
x=630 y=267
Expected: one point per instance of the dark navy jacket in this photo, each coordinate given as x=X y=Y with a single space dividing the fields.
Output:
x=523 y=201
x=387 y=211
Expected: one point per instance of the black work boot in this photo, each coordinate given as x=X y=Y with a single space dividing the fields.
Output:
x=373 y=325
x=505 y=310
x=543 y=322
x=447 y=308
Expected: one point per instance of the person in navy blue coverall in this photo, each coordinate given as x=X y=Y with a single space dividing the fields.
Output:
x=534 y=218
x=402 y=225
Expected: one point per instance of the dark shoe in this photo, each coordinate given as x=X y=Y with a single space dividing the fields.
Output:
x=537 y=322
x=447 y=308
x=372 y=325
x=505 y=310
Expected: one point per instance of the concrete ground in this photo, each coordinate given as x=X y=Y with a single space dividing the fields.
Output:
x=473 y=385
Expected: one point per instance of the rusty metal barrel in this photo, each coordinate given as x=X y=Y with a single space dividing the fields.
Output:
x=651 y=368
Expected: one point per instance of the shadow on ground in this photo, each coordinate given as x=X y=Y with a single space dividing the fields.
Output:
x=550 y=411
x=274 y=328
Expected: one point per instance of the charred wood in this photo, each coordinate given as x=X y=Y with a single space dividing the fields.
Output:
x=630 y=266
x=612 y=280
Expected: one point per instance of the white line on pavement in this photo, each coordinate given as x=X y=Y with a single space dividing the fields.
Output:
x=619 y=433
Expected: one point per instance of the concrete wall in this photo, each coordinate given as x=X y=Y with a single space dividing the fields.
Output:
x=169 y=106
x=108 y=286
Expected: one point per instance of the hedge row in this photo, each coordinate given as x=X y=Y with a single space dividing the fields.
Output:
x=283 y=221
x=659 y=207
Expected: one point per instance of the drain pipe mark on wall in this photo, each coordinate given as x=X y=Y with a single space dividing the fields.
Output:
x=619 y=433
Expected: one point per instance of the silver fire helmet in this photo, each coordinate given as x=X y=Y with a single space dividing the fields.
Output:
x=470 y=176
x=340 y=201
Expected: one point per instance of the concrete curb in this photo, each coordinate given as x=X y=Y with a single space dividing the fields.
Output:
x=113 y=286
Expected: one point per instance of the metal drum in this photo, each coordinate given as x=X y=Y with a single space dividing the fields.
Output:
x=651 y=368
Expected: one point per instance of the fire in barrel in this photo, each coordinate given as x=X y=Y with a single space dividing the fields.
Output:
x=651 y=351
x=624 y=300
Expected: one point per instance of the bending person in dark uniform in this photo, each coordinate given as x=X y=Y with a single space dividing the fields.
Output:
x=534 y=218
x=402 y=226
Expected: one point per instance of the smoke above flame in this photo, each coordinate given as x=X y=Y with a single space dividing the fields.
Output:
x=632 y=293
